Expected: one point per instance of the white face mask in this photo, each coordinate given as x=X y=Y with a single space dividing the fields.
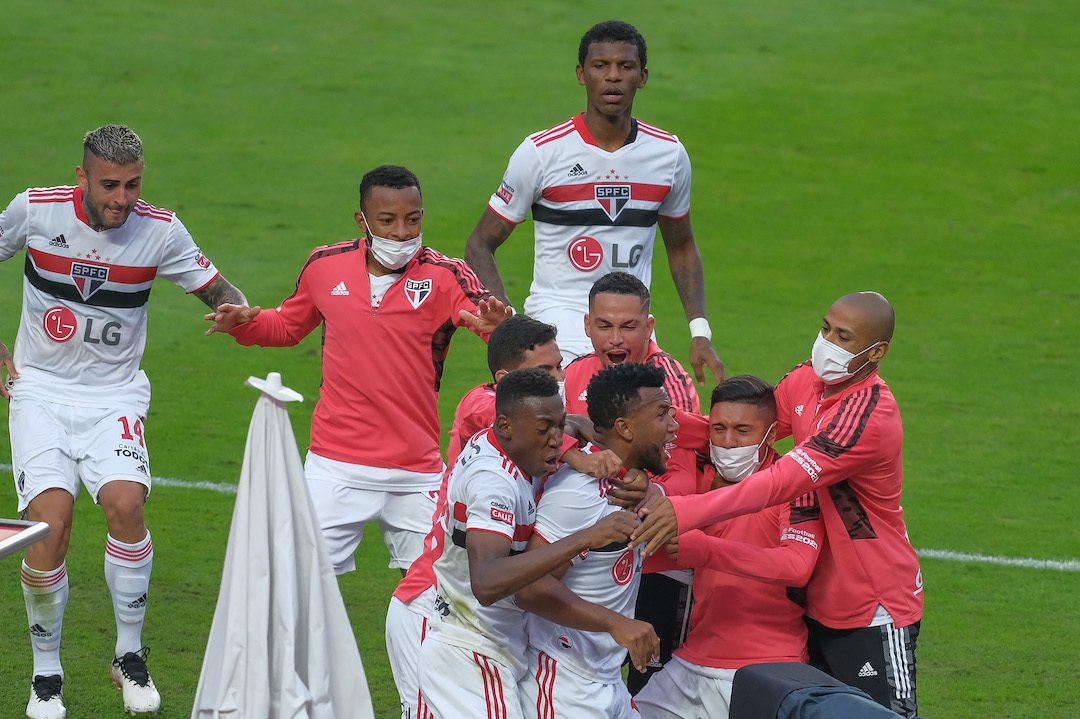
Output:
x=735 y=464
x=831 y=362
x=391 y=254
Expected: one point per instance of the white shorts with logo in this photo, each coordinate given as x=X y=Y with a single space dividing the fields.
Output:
x=682 y=690
x=406 y=629
x=549 y=689
x=59 y=446
x=456 y=683
x=343 y=508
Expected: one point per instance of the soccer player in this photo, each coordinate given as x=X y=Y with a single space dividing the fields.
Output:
x=388 y=306
x=864 y=601
x=598 y=186
x=620 y=329
x=742 y=569
x=474 y=654
x=78 y=400
x=572 y=672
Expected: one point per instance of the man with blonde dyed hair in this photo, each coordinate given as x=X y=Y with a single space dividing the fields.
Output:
x=78 y=400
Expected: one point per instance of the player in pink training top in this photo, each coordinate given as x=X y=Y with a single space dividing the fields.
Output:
x=742 y=569
x=78 y=397
x=598 y=185
x=865 y=599
x=388 y=306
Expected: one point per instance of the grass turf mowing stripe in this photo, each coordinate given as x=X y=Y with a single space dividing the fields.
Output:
x=1061 y=565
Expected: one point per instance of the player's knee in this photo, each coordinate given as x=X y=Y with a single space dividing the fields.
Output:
x=123 y=503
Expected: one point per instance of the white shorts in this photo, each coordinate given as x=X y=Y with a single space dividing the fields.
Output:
x=406 y=629
x=550 y=690
x=456 y=683
x=682 y=690
x=343 y=509
x=58 y=445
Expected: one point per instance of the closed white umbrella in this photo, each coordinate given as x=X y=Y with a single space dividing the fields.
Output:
x=281 y=646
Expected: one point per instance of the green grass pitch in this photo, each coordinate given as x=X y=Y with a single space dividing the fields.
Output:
x=928 y=150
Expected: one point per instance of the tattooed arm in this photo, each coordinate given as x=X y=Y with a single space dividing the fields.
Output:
x=220 y=291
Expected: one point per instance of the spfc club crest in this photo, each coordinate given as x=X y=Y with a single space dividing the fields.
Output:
x=612 y=199
x=88 y=278
x=417 y=291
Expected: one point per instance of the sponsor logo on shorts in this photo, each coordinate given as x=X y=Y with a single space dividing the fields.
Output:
x=565 y=643
x=60 y=324
x=21 y=481
x=612 y=199
x=442 y=606
x=585 y=254
x=505 y=192
x=135 y=453
x=88 y=278
x=500 y=515
x=623 y=571
x=867 y=671
x=417 y=291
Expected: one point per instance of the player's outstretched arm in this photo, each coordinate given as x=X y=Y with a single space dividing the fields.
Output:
x=657 y=528
x=684 y=259
x=7 y=362
x=220 y=291
x=494 y=574
x=227 y=316
x=551 y=599
x=490 y=232
x=489 y=314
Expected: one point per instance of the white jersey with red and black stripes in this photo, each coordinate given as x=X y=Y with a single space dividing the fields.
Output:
x=594 y=211
x=83 y=325
x=608 y=576
x=486 y=492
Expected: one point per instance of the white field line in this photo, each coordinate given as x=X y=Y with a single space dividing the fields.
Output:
x=1066 y=565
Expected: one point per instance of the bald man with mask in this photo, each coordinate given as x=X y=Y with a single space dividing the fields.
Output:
x=865 y=599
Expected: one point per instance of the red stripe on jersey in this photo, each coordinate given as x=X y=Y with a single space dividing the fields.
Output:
x=145 y=209
x=564 y=133
x=52 y=194
x=461 y=512
x=587 y=191
x=523 y=532
x=560 y=129
x=653 y=131
x=121 y=274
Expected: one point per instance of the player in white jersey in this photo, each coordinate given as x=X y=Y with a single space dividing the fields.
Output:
x=78 y=399
x=474 y=654
x=598 y=186
x=578 y=673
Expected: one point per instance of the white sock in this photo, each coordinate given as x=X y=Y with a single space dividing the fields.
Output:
x=127 y=572
x=46 y=595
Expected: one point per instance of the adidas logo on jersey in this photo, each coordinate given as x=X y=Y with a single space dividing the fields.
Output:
x=39 y=631
x=577 y=171
x=138 y=603
x=584 y=396
x=798 y=410
x=59 y=241
x=867 y=671
x=341 y=289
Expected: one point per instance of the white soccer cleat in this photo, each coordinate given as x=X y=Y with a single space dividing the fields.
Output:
x=130 y=674
x=46 y=698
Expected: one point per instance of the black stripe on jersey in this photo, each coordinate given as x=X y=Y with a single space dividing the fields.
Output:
x=613 y=547
x=677 y=382
x=848 y=424
x=468 y=281
x=440 y=346
x=329 y=251
x=594 y=217
x=851 y=511
x=101 y=298
x=804 y=509
x=458 y=538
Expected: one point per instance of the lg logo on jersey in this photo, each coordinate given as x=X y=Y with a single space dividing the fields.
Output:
x=586 y=254
x=60 y=325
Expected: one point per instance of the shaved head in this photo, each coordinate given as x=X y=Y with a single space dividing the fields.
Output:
x=878 y=318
